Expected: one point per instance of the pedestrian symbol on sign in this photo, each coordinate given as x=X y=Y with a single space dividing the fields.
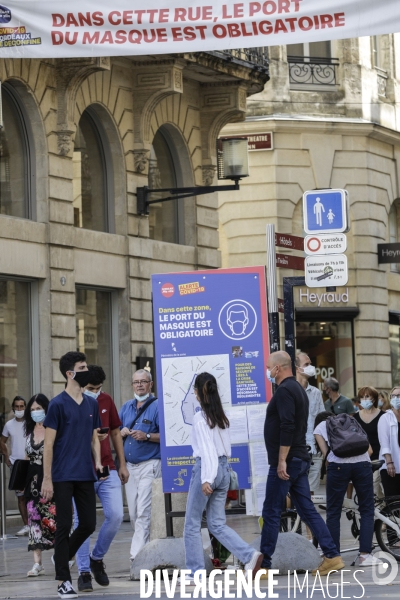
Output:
x=325 y=211
x=318 y=209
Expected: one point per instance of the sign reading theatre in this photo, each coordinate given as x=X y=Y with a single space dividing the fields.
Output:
x=213 y=321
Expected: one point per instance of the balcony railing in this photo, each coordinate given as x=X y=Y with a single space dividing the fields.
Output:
x=254 y=57
x=312 y=72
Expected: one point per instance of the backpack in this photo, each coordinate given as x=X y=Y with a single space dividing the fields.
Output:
x=346 y=437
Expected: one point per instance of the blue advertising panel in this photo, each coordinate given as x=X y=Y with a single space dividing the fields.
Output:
x=325 y=211
x=214 y=321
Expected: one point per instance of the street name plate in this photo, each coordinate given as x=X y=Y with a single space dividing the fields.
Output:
x=325 y=244
x=326 y=271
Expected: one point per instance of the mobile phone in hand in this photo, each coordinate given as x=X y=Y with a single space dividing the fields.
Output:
x=105 y=473
x=103 y=430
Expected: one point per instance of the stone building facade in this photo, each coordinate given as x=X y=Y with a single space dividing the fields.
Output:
x=333 y=112
x=78 y=138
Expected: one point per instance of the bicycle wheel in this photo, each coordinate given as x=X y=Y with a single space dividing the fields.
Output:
x=387 y=538
x=291 y=523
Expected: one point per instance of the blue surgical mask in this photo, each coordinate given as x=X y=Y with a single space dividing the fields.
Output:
x=93 y=395
x=38 y=415
x=366 y=404
x=395 y=402
x=380 y=403
x=271 y=379
x=141 y=398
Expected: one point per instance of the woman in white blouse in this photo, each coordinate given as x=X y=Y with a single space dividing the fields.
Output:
x=389 y=439
x=210 y=481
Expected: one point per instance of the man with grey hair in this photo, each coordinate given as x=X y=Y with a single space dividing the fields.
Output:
x=141 y=433
x=336 y=403
x=304 y=371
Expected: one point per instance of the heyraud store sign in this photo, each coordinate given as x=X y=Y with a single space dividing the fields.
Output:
x=308 y=297
x=78 y=28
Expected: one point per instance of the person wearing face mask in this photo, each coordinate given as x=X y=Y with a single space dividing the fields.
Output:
x=336 y=403
x=369 y=418
x=384 y=401
x=108 y=490
x=14 y=431
x=389 y=438
x=304 y=372
x=289 y=463
x=41 y=515
x=141 y=433
x=71 y=455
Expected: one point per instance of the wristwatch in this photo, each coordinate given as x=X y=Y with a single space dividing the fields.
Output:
x=148 y=435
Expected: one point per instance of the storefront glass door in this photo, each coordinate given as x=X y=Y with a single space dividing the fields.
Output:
x=329 y=344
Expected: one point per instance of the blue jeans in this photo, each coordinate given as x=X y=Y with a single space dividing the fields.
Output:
x=337 y=479
x=110 y=493
x=299 y=488
x=197 y=502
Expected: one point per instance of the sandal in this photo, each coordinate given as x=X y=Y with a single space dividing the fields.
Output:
x=36 y=570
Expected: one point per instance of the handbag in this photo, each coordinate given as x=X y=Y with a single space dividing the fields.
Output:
x=19 y=474
x=138 y=415
x=233 y=476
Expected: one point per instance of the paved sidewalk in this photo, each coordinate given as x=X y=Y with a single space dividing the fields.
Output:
x=15 y=561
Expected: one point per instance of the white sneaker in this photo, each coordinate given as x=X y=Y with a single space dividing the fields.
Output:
x=254 y=564
x=23 y=531
x=70 y=563
x=188 y=580
x=36 y=570
x=367 y=560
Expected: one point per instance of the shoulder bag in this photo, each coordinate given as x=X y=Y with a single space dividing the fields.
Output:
x=234 y=479
x=138 y=415
x=19 y=474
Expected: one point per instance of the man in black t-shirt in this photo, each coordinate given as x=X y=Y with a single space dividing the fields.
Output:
x=285 y=439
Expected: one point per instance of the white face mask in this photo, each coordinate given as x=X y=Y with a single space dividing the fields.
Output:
x=395 y=402
x=271 y=379
x=93 y=395
x=141 y=398
x=19 y=413
x=366 y=404
x=380 y=403
x=309 y=371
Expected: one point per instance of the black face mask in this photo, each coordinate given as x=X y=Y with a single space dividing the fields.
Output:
x=82 y=378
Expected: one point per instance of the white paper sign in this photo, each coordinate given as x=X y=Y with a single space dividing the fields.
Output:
x=238 y=425
x=255 y=422
x=78 y=28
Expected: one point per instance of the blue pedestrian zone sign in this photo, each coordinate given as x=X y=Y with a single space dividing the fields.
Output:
x=325 y=211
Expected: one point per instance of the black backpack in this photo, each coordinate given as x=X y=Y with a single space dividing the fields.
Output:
x=346 y=437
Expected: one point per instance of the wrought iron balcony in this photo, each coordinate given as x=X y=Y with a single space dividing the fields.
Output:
x=253 y=57
x=312 y=72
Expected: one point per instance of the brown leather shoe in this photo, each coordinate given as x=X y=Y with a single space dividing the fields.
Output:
x=329 y=564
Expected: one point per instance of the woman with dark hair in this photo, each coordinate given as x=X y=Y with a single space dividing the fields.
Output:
x=41 y=514
x=210 y=481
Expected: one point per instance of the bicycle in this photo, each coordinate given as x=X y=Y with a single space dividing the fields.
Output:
x=386 y=527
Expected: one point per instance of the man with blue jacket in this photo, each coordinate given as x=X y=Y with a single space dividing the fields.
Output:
x=141 y=433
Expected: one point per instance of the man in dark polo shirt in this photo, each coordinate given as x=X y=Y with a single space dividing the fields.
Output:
x=285 y=439
x=108 y=490
x=71 y=456
x=336 y=403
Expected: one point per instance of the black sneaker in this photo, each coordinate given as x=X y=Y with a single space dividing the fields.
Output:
x=98 y=569
x=85 y=582
x=65 y=590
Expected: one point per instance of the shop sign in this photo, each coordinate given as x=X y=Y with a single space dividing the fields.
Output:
x=325 y=211
x=329 y=297
x=325 y=244
x=321 y=271
x=388 y=253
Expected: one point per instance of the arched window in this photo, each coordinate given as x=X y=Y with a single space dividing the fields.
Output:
x=15 y=158
x=166 y=218
x=92 y=176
